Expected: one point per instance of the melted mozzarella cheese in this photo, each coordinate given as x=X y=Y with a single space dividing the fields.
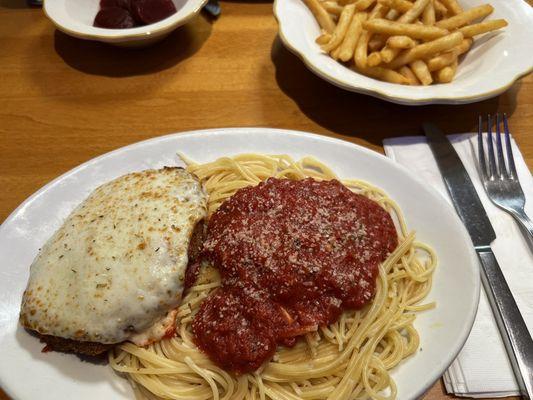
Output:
x=116 y=267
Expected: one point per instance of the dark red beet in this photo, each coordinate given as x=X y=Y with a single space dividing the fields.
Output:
x=125 y=4
x=114 y=18
x=150 y=11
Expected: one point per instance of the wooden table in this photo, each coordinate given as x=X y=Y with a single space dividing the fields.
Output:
x=64 y=101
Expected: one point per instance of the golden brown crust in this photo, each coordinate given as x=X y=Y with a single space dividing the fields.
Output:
x=55 y=343
x=195 y=247
x=196 y=242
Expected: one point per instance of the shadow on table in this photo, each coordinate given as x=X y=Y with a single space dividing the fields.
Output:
x=15 y=4
x=98 y=58
x=357 y=115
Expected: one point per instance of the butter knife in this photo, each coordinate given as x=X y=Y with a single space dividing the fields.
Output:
x=511 y=325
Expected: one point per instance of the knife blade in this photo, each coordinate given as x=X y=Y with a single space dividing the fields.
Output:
x=460 y=188
x=511 y=325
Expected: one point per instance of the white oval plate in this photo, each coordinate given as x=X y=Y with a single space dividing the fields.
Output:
x=493 y=64
x=26 y=373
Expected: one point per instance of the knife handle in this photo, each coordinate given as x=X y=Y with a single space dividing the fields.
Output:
x=511 y=325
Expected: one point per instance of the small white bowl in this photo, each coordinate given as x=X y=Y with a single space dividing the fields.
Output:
x=493 y=64
x=76 y=17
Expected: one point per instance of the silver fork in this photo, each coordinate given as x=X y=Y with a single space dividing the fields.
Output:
x=501 y=181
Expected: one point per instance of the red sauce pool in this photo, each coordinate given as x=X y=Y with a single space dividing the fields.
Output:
x=121 y=14
x=292 y=255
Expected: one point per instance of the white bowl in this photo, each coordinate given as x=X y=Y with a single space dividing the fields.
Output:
x=493 y=64
x=75 y=18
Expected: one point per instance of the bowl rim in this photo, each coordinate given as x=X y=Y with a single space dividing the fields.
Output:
x=172 y=23
x=383 y=95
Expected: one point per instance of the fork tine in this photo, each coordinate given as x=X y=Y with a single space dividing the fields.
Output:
x=502 y=170
x=481 y=151
x=510 y=158
x=490 y=150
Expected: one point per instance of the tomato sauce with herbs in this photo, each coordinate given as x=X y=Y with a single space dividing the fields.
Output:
x=292 y=256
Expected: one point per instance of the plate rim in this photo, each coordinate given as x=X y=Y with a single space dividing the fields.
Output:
x=465 y=329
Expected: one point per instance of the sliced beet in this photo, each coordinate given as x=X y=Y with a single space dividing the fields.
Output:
x=114 y=18
x=125 y=4
x=150 y=11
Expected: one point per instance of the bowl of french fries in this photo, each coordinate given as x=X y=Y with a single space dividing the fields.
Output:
x=412 y=51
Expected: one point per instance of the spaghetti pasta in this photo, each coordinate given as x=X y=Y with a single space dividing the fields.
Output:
x=348 y=359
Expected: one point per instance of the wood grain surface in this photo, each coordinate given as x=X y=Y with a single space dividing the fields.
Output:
x=64 y=101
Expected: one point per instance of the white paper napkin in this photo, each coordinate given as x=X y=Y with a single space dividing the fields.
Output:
x=482 y=368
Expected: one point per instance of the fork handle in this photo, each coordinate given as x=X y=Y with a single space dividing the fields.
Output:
x=526 y=225
x=511 y=325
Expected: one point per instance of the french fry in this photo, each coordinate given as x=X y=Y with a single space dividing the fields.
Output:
x=428 y=49
x=360 y=55
x=464 y=46
x=384 y=74
x=428 y=15
x=465 y=17
x=323 y=39
x=323 y=18
x=421 y=71
x=400 y=42
x=408 y=74
x=389 y=53
x=482 y=27
x=362 y=5
x=446 y=74
x=376 y=43
x=347 y=48
x=452 y=6
x=378 y=11
x=373 y=59
x=392 y=15
x=399 y=5
x=440 y=10
x=335 y=53
x=340 y=29
x=332 y=7
x=392 y=28
x=442 y=60
x=414 y=12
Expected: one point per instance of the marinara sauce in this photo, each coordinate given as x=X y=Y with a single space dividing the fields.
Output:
x=292 y=256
